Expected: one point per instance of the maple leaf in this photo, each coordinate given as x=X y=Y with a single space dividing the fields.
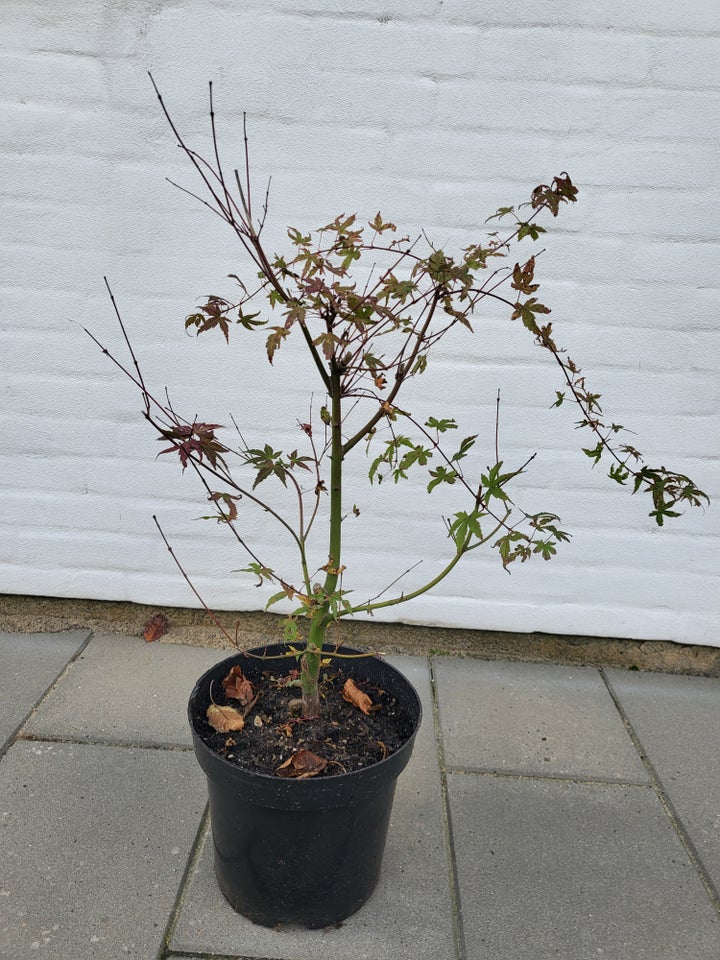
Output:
x=156 y=627
x=302 y=765
x=213 y=314
x=272 y=344
x=352 y=694
x=224 y=719
x=523 y=277
x=228 y=502
x=197 y=439
x=237 y=686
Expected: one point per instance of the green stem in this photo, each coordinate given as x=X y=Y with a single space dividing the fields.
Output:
x=336 y=461
x=310 y=667
x=370 y=606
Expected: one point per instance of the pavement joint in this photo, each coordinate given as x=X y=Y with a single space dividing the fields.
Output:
x=665 y=801
x=564 y=777
x=192 y=860
x=105 y=742
x=453 y=879
x=494 y=850
x=43 y=695
x=179 y=955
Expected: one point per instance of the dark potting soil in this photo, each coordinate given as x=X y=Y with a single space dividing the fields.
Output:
x=343 y=736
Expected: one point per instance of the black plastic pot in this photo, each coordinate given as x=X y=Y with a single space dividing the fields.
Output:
x=300 y=851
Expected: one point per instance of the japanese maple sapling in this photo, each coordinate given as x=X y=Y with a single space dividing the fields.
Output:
x=368 y=308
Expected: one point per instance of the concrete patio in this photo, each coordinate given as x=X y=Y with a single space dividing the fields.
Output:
x=548 y=812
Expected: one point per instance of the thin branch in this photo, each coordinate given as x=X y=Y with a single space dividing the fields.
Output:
x=396 y=580
x=189 y=153
x=247 y=167
x=381 y=412
x=210 y=207
x=174 y=419
x=132 y=377
x=207 y=609
x=265 y=207
x=226 y=518
x=129 y=346
x=221 y=178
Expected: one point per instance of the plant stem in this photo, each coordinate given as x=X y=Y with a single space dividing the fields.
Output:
x=371 y=605
x=310 y=667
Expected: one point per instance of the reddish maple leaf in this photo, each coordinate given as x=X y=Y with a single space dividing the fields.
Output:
x=156 y=627
x=237 y=686
x=196 y=439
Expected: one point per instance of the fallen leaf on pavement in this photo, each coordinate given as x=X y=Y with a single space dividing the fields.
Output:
x=156 y=627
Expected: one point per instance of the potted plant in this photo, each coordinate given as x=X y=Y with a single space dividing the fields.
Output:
x=298 y=816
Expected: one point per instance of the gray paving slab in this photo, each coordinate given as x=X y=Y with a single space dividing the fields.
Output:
x=94 y=843
x=29 y=663
x=677 y=720
x=408 y=916
x=579 y=871
x=124 y=690
x=527 y=718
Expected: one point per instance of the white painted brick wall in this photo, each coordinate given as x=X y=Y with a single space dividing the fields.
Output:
x=436 y=112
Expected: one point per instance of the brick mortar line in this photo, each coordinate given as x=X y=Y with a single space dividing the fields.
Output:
x=458 y=21
x=666 y=802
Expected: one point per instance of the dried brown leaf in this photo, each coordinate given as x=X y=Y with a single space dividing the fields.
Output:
x=302 y=765
x=353 y=695
x=237 y=686
x=224 y=719
x=156 y=627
